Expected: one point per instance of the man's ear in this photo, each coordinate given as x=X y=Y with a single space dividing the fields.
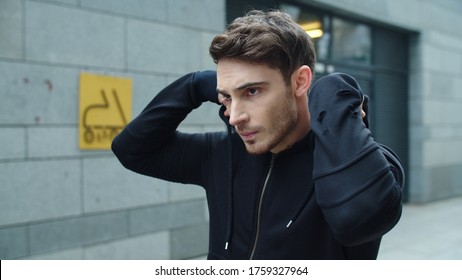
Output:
x=302 y=80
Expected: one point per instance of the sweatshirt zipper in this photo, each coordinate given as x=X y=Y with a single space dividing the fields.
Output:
x=273 y=157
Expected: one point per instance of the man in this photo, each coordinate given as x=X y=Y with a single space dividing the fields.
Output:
x=291 y=179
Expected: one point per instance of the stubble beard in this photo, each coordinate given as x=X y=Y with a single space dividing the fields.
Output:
x=284 y=122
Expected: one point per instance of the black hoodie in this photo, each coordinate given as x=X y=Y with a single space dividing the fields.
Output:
x=332 y=195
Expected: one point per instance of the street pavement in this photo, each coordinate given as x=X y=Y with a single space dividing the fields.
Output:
x=430 y=231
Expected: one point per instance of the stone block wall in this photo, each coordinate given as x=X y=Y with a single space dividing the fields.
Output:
x=60 y=202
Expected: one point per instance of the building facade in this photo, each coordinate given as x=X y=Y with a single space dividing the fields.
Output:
x=58 y=201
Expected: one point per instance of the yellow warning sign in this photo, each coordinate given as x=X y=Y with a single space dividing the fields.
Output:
x=105 y=107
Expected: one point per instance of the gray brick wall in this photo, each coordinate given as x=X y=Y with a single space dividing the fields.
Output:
x=57 y=201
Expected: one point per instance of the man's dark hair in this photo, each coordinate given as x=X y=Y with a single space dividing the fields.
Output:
x=271 y=38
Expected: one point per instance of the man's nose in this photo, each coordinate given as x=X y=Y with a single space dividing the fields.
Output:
x=236 y=113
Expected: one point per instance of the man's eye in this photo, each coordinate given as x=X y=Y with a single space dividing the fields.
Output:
x=225 y=99
x=253 y=91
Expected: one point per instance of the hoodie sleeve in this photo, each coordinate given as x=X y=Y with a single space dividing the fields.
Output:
x=151 y=144
x=358 y=182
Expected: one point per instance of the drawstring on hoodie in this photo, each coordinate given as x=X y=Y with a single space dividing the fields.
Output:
x=300 y=209
x=305 y=201
x=229 y=228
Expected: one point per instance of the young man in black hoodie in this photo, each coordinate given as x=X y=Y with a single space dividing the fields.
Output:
x=296 y=176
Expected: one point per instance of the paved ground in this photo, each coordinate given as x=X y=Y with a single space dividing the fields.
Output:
x=431 y=231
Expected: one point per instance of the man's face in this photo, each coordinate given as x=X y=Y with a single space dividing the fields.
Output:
x=259 y=104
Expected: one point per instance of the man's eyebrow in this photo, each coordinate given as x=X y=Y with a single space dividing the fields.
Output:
x=222 y=92
x=243 y=86
x=251 y=84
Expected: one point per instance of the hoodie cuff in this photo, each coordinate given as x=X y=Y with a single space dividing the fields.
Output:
x=205 y=85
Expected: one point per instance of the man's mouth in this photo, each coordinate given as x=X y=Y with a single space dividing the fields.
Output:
x=248 y=135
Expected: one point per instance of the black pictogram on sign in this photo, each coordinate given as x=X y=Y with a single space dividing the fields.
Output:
x=100 y=131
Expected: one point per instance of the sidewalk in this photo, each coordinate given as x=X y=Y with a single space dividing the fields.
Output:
x=431 y=231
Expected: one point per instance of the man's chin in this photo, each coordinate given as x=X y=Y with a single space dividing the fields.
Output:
x=254 y=149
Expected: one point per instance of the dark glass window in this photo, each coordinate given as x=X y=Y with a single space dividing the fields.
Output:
x=351 y=41
x=334 y=38
x=315 y=25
